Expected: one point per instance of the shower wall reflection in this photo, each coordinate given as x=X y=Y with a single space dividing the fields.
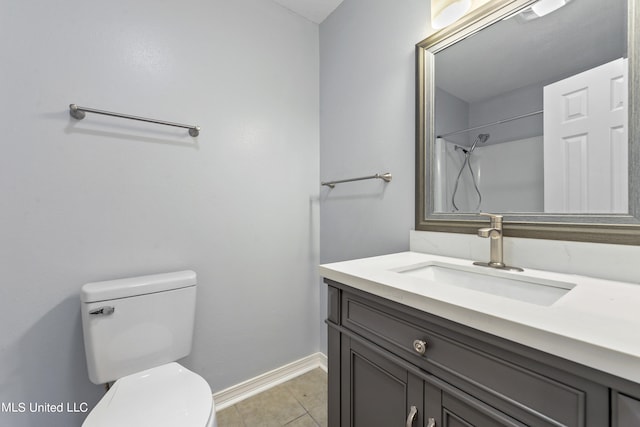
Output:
x=509 y=169
x=514 y=186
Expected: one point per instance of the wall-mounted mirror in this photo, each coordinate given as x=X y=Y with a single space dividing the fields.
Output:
x=532 y=113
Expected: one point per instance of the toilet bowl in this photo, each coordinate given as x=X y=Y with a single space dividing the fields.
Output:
x=166 y=396
x=134 y=330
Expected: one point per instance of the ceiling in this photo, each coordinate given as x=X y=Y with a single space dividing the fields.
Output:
x=314 y=10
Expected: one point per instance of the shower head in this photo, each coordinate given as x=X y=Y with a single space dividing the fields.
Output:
x=483 y=137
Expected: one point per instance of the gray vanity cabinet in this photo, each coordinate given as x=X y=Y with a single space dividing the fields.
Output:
x=379 y=391
x=388 y=361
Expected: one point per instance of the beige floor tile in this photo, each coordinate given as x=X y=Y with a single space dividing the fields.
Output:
x=300 y=402
x=304 y=421
x=319 y=414
x=272 y=408
x=229 y=417
x=310 y=389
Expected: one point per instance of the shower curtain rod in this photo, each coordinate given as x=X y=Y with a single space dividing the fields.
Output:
x=491 y=124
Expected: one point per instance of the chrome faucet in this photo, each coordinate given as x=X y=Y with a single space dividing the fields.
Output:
x=494 y=234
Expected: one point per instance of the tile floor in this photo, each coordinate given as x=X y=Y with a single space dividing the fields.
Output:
x=300 y=402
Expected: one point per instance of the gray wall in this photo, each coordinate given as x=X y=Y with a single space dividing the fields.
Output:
x=106 y=198
x=367 y=123
x=451 y=115
x=518 y=102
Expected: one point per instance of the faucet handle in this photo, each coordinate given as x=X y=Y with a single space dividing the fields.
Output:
x=496 y=220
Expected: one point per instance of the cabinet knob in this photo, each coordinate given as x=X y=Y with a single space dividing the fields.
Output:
x=431 y=423
x=412 y=416
x=420 y=346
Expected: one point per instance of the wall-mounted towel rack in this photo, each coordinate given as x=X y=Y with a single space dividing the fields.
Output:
x=386 y=177
x=78 y=112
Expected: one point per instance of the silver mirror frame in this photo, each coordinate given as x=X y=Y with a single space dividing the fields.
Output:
x=601 y=228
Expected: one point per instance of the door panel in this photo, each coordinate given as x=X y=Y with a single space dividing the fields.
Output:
x=626 y=411
x=451 y=407
x=585 y=141
x=377 y=392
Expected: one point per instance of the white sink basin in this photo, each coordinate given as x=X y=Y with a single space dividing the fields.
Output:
x=509 y=284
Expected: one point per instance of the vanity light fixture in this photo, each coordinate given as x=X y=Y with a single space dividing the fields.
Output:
x=544 y=7
x=446 y=12
x=539 y=9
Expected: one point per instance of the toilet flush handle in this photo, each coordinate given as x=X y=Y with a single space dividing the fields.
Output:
x=103 y=311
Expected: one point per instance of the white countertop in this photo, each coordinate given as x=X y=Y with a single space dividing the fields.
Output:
x=596 y=324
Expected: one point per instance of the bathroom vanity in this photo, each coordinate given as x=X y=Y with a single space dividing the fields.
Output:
x=411 y=342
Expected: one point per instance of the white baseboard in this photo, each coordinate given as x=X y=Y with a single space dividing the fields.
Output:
x=234 y=394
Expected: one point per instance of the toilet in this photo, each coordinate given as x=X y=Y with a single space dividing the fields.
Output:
x=134 y=331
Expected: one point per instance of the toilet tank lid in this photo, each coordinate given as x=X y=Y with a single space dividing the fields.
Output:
x=134 y=286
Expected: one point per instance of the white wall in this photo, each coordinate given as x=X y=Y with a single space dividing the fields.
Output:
x=105 y=198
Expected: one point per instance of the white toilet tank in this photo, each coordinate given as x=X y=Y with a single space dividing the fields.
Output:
x=137 y=323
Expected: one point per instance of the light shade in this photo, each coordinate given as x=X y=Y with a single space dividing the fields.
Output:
x=446 y=12
x=544 y=7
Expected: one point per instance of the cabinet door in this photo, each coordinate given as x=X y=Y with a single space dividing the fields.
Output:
x=375 y=391
x=626 y=411
x=447 y=406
